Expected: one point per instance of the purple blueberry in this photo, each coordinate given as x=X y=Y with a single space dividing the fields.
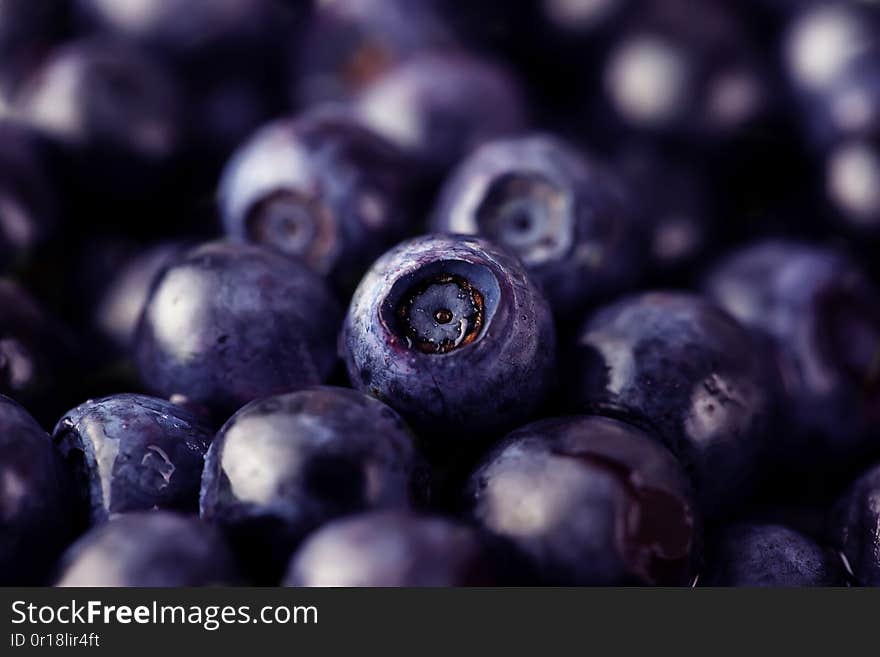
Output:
x=855 y=528
x=154 y=549
x=391 y=548
x=591 y=501
x=36 y=519
x=320 y=187
x=134 y=453
x=770 y=555
x=852 y=184
x=227 y=323
x=348 y=44
x=284 y=465
x=564 y=216
x=451 y=333
x=440 y=106
x=681 y=367
x=822 y=316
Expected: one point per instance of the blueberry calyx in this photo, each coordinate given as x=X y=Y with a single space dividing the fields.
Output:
x=441 y=313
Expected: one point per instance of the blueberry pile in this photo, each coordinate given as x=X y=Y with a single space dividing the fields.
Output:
x=398 y=293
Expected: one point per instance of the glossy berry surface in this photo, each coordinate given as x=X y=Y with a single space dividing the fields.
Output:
x=133 y=453
x=590 y=500
x=770 y=555
x=440 y=106
x=153 y=549
x=391 y=548
x=564 y=216
x=855 y=528
x=685 y=370
x=36 y=519
x=284 y=465
x=320 y=187
x=228 y=323
x=821 y=313
x=451 y=333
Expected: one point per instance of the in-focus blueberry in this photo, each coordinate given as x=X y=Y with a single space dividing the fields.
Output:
x=821 y=313
x=391 y=548
x=153 y=548
x=684 y=369
x=227 y=323
x=320 y=187
x=855 y=528
x=284 y=465
x=36 y=514
x=440 y=106
x=591 y=501
x=133 y=453
x=451 y=333
x=564 y=216
x=770 y=555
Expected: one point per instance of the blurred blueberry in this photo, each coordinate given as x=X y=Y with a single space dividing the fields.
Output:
x=320 y=187
x=822 y=316
x=347 y=44
x=566 y=217
x=36 y=516
x=440 y=106
x=683 y=368
x=391 y=548
x=451 y=333
x=852 y=184
x=592 y=501
x=770 y=555
x=227 y=323
x=155 y=549
x=284 y=465
x=133 y=453
x=855 y=528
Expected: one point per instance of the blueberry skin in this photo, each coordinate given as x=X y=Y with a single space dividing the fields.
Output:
x=154 y=549
x=683 y=368
x=855 y=527
x=121 y=303
x=565 y=216
x=227 y=323
x=134 y=453
x=391 y=548
x=821 y=315
x=320 y=187
x=482 y=364
x=440 y=106
x=754 y=555
x=347 y=44
x=284 y=465
x=592 y=501
x=36 y=520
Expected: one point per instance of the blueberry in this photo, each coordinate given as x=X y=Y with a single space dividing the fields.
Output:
x=852 y=184
x=134 y=453
x=770 y=555
x=348 y=44
x=155 y=549
x=855 y=520
x=227 y=323
x=320 y=187
x=684 y=70
x=822 y=316
x=35 y=512
x=592 y=501
x=451 y=333
x=440 y=106
x=682 y=367
x=28 y=206
x=565 y=216
x=284 y=465
x=391 y=548
x=122 y=301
